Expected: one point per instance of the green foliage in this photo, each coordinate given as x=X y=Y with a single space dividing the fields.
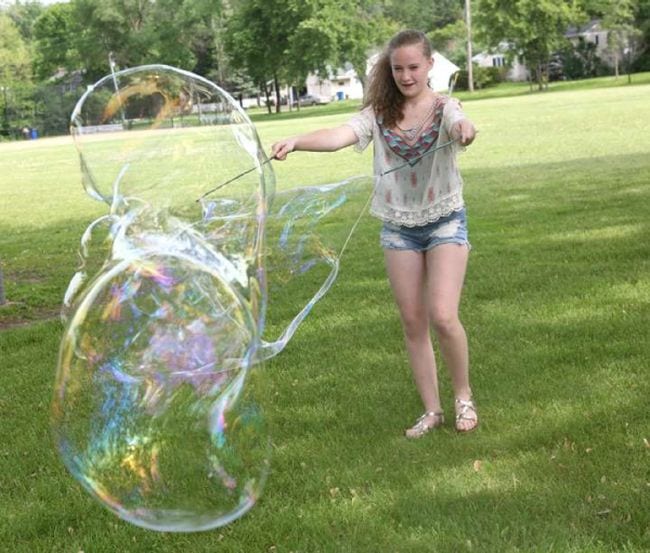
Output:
x=257 y=39
x=424 y=15
x=24 y=16
x=282 y=41
x=450 y=40
x=15 y=78
x=360 y=29
x=535 y=28
x=581 y=61
x=628 y=23
x=53 y=109
x=14 y=54
x=54 y=41
x=642 y=22
x=165 y=31
x=482 y=77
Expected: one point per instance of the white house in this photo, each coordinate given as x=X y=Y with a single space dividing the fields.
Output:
x=516 y=70
x=591 y=32
x=345 y=84
x=340 y=85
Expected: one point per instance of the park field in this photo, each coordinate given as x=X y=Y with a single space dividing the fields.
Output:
x=557 y=311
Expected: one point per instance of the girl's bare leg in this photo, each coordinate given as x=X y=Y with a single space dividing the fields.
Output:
x=445 y=273
x=407 y=274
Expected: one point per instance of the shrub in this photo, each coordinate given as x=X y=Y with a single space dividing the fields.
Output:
x=482 y=77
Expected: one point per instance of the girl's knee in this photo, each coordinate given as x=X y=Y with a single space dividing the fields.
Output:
x=444 y=323
x=415 y=325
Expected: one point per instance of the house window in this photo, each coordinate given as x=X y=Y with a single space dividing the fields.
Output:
x=497 y=61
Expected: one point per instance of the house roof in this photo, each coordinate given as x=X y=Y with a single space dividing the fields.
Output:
x=590 y=27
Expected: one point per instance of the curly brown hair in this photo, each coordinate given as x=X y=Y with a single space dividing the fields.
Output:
x=382 y=93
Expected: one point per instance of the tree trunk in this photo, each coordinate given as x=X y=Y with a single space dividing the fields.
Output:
x=267 y=97
x=276 y=85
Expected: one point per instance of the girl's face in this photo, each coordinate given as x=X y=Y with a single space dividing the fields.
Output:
x=410 y=69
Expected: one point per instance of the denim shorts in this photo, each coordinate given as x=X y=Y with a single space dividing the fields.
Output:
x=451 y=229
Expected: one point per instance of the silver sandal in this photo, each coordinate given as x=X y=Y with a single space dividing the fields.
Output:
x=421 y=427
x=466 y=405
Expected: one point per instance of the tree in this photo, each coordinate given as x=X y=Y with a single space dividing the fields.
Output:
x=339 y=32
x=627 y=25
x=54 y=41
x=24 y=15
x=534 y=28
x=361 y=33
x=623 y=37
x=208 y=19
x=259 y=41
x=280 y=42
x=138 y=32
x=441 y=20
x=15 y=75
x=642 y=22
x=424 y=15
x=580 y=61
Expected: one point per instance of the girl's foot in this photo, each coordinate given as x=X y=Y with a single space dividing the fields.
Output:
x=425 y=424
x=466 y=415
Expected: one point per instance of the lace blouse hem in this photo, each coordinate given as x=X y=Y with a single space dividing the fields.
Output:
x=418 y=218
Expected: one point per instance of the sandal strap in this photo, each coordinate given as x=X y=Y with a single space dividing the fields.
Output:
x=420 y=428
x=435 y=414
x=466 y=405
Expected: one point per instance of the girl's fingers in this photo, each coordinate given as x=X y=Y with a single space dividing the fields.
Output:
x=280 y=151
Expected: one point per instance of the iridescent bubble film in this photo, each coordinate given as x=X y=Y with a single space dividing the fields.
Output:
x=156 y=412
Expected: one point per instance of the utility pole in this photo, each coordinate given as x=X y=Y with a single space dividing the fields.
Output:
x=468 y=22
x=112 y=64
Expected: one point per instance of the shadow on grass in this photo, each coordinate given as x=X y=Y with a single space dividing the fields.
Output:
x=556 y=306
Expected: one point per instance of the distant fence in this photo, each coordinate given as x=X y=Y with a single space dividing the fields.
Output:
x=93 y=129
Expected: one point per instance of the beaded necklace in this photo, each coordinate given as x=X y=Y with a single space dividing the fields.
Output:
x=411 y=134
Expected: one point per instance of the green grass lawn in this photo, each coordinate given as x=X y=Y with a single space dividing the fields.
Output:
x=557 y=309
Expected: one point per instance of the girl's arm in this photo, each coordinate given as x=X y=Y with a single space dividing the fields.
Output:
x=458 y=126
x=323 y=140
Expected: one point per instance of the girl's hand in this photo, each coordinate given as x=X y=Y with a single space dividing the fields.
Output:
x=465 y=132
x=281 y=149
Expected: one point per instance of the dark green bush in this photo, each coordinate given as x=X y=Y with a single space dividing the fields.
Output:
x=483 y=77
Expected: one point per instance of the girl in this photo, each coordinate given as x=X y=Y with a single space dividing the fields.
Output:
x=424 y=234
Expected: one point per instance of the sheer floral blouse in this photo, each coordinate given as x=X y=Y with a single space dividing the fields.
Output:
x=426 y=189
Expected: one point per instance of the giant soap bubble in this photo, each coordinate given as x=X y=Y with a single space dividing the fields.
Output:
x=154 y=413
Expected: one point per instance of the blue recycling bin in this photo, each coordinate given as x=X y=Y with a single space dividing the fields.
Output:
x=340 y=95
x=33 y=134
